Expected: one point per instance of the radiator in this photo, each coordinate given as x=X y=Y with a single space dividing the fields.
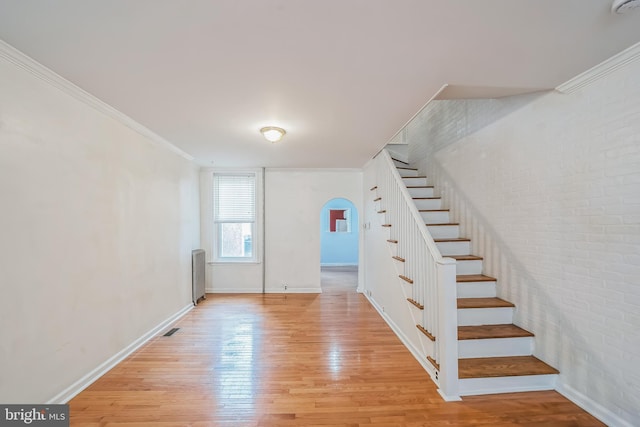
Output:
x=198 y=266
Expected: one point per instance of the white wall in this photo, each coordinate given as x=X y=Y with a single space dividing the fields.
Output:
x=548 y=188
x=97 y=224
x=294 y=201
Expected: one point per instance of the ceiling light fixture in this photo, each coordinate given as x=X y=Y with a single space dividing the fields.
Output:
x=273 y=133
x=623 y=6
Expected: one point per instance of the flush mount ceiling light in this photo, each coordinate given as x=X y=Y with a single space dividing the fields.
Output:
x=272 y=133
x=623 y=6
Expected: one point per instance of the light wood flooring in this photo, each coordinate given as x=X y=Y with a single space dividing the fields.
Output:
x=294 y=360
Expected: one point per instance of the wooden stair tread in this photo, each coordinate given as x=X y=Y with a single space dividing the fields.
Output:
x=382 y=211
x=483 y=303
x=406 y=279
x=419 y=186
x=416 y=303
x=433 y=362
x=377 y=199
x=442 y=225
x=386 y=225
x=426 y=198
x=406 y=169
x=462 y=278
x=490 y=367
x=392 y=241
x=405 y=163
x=433 y=210
x=374 y=188
x=491 y=331
x=397 y=258
x=452 y=239
x=427 y=333
x=464 y=257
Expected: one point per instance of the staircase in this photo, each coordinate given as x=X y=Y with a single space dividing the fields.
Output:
x=494 y=355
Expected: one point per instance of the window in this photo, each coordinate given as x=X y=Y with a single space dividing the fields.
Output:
x=339 y=221
x=234 y=217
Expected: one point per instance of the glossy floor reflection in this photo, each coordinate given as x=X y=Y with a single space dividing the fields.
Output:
x=293 y=360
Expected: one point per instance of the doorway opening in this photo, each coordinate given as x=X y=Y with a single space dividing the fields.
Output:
x=339 y=240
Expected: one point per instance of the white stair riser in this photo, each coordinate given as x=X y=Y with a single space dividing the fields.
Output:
x=485 y=316
x=421 y=192
x=444 y=232
x=469 y=267
x=407 y=172
x=476 y=290
x=428 y=203
x=495 y=347
x=415 y=182
x=454 y=248
x=475 y=386
x=399 y=265
x=437 y=217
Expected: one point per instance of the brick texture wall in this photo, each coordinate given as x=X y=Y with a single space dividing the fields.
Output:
x=548 y=187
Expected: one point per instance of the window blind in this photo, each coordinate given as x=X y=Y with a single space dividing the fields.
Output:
x=234 y=198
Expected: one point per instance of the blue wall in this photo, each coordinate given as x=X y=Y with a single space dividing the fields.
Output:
x=338 y=248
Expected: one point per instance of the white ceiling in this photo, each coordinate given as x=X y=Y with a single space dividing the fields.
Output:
x=342 y=76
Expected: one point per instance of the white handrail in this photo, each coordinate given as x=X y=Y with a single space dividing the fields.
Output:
x=433 y=276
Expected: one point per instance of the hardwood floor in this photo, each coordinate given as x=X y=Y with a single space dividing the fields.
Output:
x=294 y=360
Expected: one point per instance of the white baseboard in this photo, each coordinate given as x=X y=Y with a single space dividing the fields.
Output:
x=84 y=382
x=337 y=264
x=294 y=291
x=233 y=290
x=267 y=291
x=591 y=406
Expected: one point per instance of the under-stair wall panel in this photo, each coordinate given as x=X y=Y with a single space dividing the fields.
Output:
x=382 y=284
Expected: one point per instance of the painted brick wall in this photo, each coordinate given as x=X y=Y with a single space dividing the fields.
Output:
x=548 y=188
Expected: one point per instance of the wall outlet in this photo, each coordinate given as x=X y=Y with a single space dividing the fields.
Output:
x=285 y=287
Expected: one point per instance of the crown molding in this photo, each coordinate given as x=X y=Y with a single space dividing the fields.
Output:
x=26 y=63
x=315 y=170
x=620 y=60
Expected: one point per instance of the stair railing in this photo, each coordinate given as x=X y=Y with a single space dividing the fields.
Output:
x=433 y=276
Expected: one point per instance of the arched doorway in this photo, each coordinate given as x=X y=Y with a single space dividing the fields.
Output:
x=339 y=244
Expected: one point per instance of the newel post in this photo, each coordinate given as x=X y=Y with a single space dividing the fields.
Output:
x=447 y=338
